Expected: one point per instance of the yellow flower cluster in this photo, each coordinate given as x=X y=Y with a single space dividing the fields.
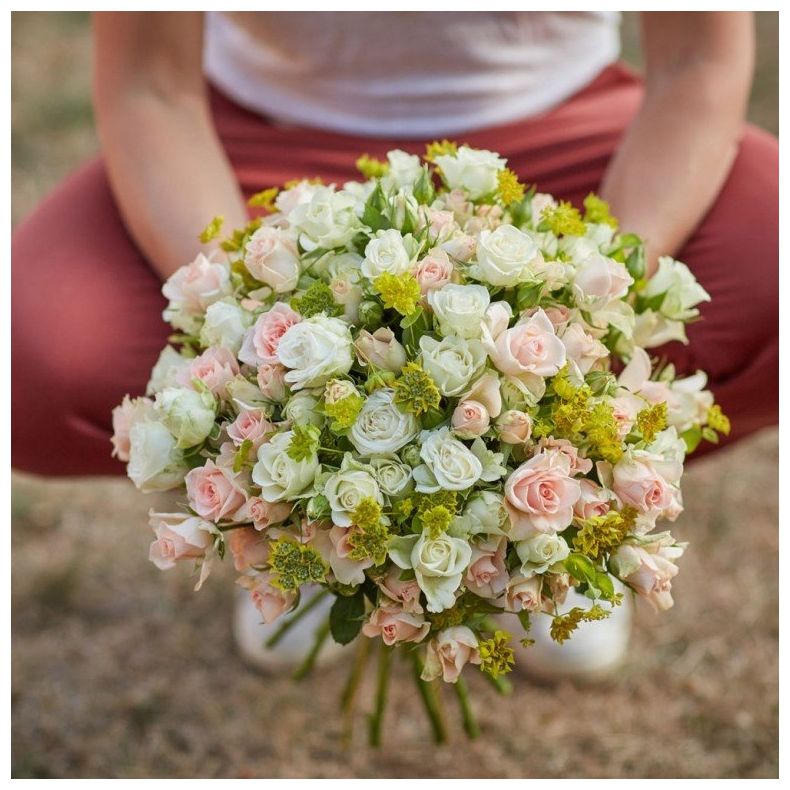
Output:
x=652 y=420
x=399 y=292
x=496 y=655
x=601 y=534
x=596 y=211
x=563 y=219
x=369 y=536
x=371 y=168
x=264 y=199
x=509 y=189
x=564 y=625
x=344 y=412
x=436 y=520
x=295 y=564
x=415 y=390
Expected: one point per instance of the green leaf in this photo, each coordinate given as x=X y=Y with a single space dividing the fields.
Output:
x=373 y=214
x=692 y=437
x=528 y=294
x=710 y=435
x=581 y=568
x=345 y=617
x=424 y=191
x=635 y=263
x=414 y=326
x=240 y=459
x=523 y=618
x=603 y=581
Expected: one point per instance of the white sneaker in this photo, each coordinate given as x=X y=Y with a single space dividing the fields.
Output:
x=593 y=653
x=291 y=650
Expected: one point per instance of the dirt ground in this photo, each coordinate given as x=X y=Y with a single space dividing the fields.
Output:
x=119 y=670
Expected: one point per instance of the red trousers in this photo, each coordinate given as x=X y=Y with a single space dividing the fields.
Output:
x=86 y=325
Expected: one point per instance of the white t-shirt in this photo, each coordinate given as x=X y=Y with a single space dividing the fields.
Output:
x=406 y=74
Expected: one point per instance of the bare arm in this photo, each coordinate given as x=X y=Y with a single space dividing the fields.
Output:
x=677 y=152
x=166 y=166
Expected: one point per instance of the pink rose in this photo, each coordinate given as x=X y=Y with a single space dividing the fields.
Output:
x=122 y=418
x=434 y=270
x=594 y=500
x=497 y=317
x=487 y=575
x=272 y=257
x=335 y=547
x=212 y=492
x=529 y=347
x=263 y=337
x=197 y=285
x=380 y=349
x=515 y=427
x=540 y=495
x=215 y=367
x=448 y=652
x=404 y=592
x=599 y=280
x=582 y=348
x=179 y=536
x=270 y=601
x=625 y=408
x=271 y=381
x=637 y=483
x=394 y=625
x=250 y=424
x=248 y=548
x=558 y=585
x=523 y=594
x=470 y=419
x=486 y=392
x=649 y=570
x=460 y=247
x=559 y=315
x=263 y=514
x=579 y=465
x=442 y=224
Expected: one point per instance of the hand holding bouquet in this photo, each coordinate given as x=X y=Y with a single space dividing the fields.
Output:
x=427 y=393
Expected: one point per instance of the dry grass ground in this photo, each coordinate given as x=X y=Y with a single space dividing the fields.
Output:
x=121 y=671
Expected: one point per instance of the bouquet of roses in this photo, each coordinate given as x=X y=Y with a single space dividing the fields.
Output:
x=428 y=394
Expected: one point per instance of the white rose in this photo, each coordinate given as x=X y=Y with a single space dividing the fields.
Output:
x=165 y=371
x=472 y=170
x=522 y=393
x=438 y=565
x=272 y=257
x=599 y=280
x=189 y=415
x=484 y=514
x=393 y=477
x=280 y=476
x=328 y=220
x=315 y=350
x=459 y=309
x=155 y=463
x=449 y=464
x=381 y=427
x=652 y=329
x=452 y=362
x=506 y=256
x=302 y=409
x=679 y=287
x=386 y=253
x=404 y=169
x=346 y=488
x=540 y=552
x=225 y=325
x=344 y=282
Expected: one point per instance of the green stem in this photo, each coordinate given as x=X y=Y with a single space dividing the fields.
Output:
x=320 y=637
x=470 y=722
x=429 y=701
x=349 y=695
x=382 y=686
x=501 y=684
x=297 y=616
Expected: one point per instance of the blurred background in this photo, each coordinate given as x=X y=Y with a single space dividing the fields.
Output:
x=119 y=670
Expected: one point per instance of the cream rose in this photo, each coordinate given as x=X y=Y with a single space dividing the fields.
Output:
x=381 y=427
x=540 y=552
x=347 y=487
x=272 y=257
x=515 y=427
x=459 y=309
x=280 y=476
x=452 y=362
x=315 y=350
x=448 y=652
x=505 y=256
x=386 y=253
x=448 y=464
x=327 y=220
x=380 y=349
x=680 y=289
x=523 y=594
x=225 y=324
x=187 y=414
x=392 y=476
x=473 y=170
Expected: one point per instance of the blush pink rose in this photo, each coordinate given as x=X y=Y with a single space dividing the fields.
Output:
x=579 y=465
x=470 y=419
x=559 y=315
x=404 y=592
x=515 y=427
x=213 y=493
x=263 y=337
x=394 y=625
x=594 y=500
x=523 y=594
x=487 y=393
x=179 y=536
x=460 y=247
x=215 y=367
x=335 y=547
x=582 y=348
x=252 y=425
x=248 y=548
x=528 y=347
x=272 y=257
x=487 y=575
x=442 y=224
x=197 y=285
x=448 y=652
x=637 y=483
x=122 y=418
x=271 y=381
x=263 y=514
x=540 y=495
x=434 y=270
x=653 y=571
x=380 y=349
x=600 y=279
x=625 y=408
x=270 y=601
